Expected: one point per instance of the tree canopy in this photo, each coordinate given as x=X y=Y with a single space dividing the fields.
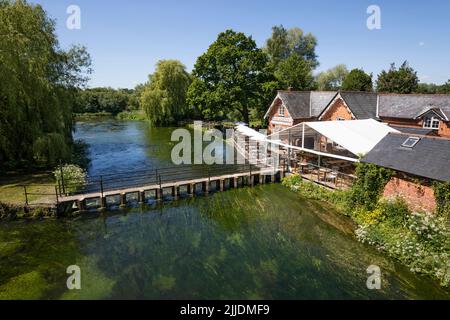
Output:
x=357 y=80
x=402 y=80
x=295 y=72
x=164 y=97
x=229 y=78
x=97 y=100
x=333 y=78
x=284 y=43
x=38 y=81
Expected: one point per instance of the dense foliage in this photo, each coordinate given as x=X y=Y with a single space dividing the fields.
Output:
x=164 y=97
x=357 y=80
x=369 y=184
x=293 y=42
x=37 y=87
x=106 y=100
x=431 y=88
x=70 y=177
x=420 y=240
x=442 y=195
x=332 y=79
x=401 y=80
x=229 y=78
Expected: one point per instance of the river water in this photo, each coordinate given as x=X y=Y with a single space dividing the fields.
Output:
x=250 y=243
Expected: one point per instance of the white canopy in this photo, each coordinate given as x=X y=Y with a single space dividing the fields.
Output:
x=357 y=136
x=252 y=134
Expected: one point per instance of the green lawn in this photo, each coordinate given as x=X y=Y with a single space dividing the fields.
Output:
x=12 y=191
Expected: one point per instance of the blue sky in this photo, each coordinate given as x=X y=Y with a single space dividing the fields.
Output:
x=127 y=38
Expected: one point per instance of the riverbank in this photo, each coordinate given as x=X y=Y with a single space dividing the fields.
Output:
x=419 y=240
x=38 y=182
x=248 y=243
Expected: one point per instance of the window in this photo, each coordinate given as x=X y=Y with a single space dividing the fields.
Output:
x=410 y=142
x=431 y=123
x=281 y=111
x=340 y=119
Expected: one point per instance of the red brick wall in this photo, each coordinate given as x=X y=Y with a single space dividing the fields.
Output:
x=419 y=197
x=337 y=110
x=274 y=123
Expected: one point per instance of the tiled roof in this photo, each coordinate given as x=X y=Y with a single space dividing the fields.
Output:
x=429 y=158
x=305 y=104
x=409 y=106
x=413 y=130
x=362 y=104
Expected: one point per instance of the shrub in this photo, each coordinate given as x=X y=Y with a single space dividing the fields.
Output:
x=442 y=195
x=73 y=176
x=368 y=186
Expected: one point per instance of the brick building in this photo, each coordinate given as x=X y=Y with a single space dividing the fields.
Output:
x=429 y=112
x=413 y=179
x=293 y=107
x=409 y=113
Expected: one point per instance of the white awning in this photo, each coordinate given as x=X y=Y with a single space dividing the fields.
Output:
x=252 y=134
x=357 y=136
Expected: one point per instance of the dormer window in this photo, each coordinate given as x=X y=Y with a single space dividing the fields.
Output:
x=281 y=111
x=431 y=123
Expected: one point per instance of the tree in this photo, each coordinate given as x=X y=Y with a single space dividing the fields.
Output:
x=164 y=97
x=295 y=72
x=403 y=80
x=38 y=87
x=333 y=78
x=230 y=77
x=357 y=80
x=431 y=88
x=284 y=43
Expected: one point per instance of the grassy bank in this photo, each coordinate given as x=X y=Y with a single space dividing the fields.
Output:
x=420 y=240
x=91 y=116
x=12 y=190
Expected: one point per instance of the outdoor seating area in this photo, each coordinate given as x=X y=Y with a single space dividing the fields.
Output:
x=335 y=174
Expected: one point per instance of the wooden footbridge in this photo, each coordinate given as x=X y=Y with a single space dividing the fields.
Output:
x=157 y=184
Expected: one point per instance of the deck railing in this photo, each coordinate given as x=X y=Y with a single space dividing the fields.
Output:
x=326 y=176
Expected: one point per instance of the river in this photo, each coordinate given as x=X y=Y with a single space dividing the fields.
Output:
x=250 y=243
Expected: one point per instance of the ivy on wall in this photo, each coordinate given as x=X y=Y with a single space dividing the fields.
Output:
x=442 y=195
x=369 y=185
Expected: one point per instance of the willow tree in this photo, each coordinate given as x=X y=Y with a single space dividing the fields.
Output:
x=164 y=97
x=37 y=86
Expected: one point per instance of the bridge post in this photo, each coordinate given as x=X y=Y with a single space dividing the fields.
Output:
x=141 y=196
x=262 y=179
x=272 y=177
x=251 y=180
x=158 y=194
x=123 y=200
x=81 y=205
x=175 y=192
x=205 y=186
x=102 y=202
x=191 y=189
x=222 y=185
x=235 y=182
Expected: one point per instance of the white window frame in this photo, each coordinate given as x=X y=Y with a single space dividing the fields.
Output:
x=281 y=108
x=433 y=120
